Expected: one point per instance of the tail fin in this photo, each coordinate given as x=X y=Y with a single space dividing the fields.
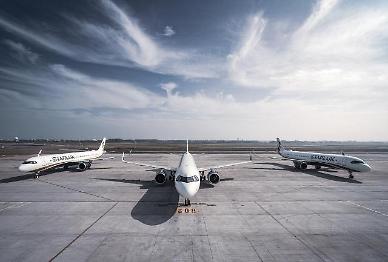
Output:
x=280 y=147
x=101 y=148
x=187 y=146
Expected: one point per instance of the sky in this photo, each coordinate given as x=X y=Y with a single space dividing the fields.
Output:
x=257 y=70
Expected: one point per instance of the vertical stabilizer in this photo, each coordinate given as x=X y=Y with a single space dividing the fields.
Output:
x=101 y=148
x=187 y=146
x=280 y=147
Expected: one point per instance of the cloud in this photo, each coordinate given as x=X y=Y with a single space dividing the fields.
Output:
x=122 y=42
x=22 y=53
x=168 y=31
x=168 y=87
x=337 y=55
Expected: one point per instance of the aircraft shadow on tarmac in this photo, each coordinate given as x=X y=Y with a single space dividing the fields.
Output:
x=159 y=203
x=322 y=173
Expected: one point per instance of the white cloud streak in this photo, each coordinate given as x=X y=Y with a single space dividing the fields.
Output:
x=168 y=31
x=22 y=52
x=123 y=43
x=334 y=56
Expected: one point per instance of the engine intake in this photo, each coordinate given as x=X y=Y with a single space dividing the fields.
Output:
x=82 y=166
x=160 y=178
x=303 y=165
x=213 y=177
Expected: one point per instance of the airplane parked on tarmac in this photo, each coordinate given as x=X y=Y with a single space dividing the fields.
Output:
x=81 y=160
x=302 y=159
x=186 y=176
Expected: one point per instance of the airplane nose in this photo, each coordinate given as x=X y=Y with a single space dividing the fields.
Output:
x=22 y=168
x=367 y=168
x=188 y=190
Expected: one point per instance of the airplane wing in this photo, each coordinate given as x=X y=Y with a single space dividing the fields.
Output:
x=105 y=158
x=155 y=167
x=222 y=166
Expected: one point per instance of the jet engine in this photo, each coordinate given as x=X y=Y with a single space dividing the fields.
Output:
x=303 y=165
x=213 y=177
x=160 y=178
x=84 y=165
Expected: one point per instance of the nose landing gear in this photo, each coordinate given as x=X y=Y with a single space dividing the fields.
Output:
x=187 y=202
x=351 y=175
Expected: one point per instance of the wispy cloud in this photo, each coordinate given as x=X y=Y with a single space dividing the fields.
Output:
x=337 y=53
x=168 y=31
x=168 y=87
x=123 y=42
x=22 y=52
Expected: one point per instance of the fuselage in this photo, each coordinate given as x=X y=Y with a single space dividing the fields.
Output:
x=187 y=177
x=350 y=163
x=37 y=163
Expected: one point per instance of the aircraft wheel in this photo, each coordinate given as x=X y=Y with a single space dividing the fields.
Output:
x=351 y=176
x=187 y=202
x=317 y=167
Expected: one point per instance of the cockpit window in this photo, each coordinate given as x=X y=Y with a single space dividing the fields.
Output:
x=357 y=162
x=187 y=179
x=30 y=162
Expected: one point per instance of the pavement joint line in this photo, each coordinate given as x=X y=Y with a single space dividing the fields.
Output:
x=83 y=232
x=14 y=205
x=76 y=190
x=246 y=238
x=367 y=208
x=207 y=236
x=294 y=235
x=253 y=247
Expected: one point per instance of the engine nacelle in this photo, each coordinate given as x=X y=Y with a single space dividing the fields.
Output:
x=82 y=166
x=160 y=178
x=213 y=177
x=303 y=165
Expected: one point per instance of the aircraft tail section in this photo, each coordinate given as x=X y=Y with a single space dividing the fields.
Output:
x=101 y=148
x=280 y=146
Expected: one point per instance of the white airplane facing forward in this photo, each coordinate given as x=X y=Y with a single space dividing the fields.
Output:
x=302 y=159
x=81 y=160
x=187 y=176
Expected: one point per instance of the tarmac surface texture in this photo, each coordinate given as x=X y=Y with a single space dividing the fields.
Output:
x=261 y=211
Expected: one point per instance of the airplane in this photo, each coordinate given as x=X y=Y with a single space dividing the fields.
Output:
x=82 y=160
x=336 y=161
x=187 y=176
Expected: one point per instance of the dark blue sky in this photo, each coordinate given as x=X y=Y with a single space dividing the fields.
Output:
x=193 y=69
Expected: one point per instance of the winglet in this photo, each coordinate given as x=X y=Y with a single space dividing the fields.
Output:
x=187 y=145
x=122 y=158
x=40 y=152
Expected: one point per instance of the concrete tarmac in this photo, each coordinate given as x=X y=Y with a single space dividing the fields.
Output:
x=262 y=211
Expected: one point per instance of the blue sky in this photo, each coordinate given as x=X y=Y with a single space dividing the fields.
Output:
x=310 y=70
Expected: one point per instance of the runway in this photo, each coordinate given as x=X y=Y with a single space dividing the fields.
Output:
x=262 y=211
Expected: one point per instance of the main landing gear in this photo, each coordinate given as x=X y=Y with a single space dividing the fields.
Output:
x=351 y=175
x=187 y=202
x=36 y=175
